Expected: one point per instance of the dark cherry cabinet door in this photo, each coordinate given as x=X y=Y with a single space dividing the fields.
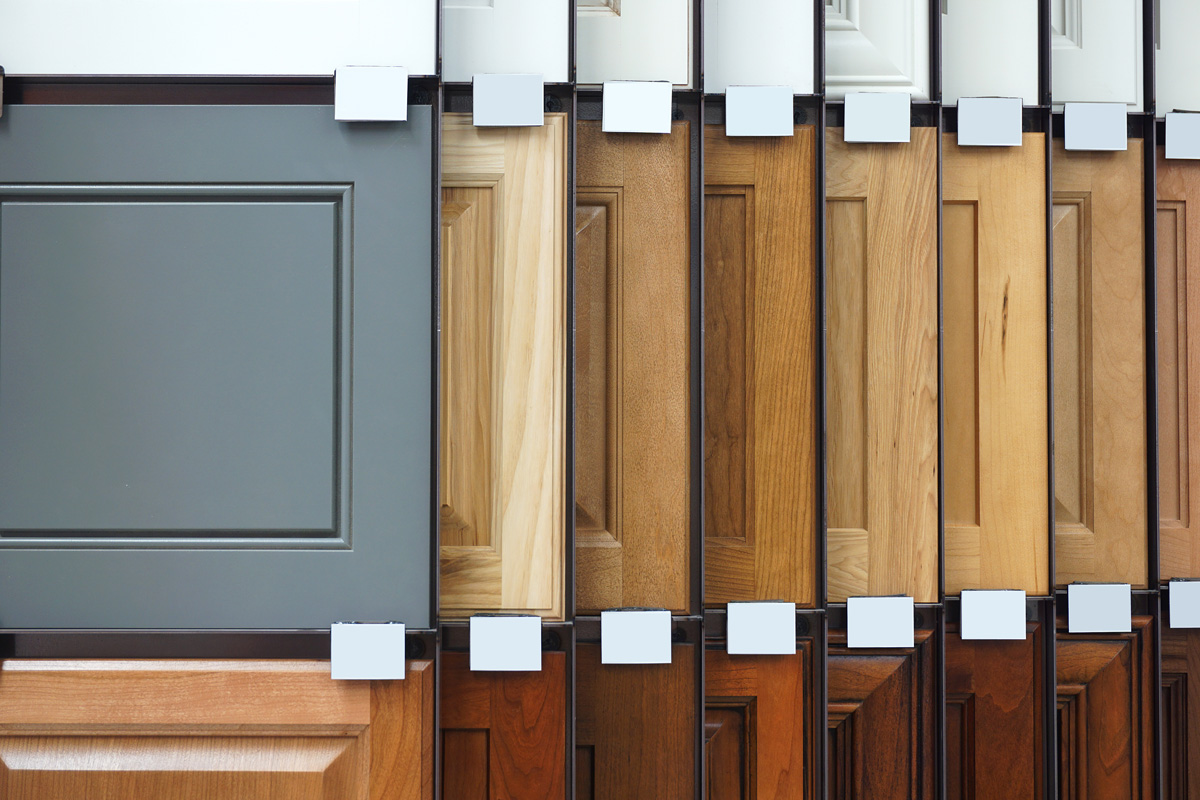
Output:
x=1180 y=718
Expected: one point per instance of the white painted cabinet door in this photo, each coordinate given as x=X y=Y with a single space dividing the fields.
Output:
x=758 y=42
x=215 y=37
x=877 y=46
x=481 y=36
x=990 y=49
x=633 y=40
x=1097 y=51
x=1177 y=71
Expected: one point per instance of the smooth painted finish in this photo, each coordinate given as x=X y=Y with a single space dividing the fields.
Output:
x=877 y=46
x=1097 y=47
x=758 y=43
x=505 y=36
x=989 y=49
x=1177 y=59
x=633 y=40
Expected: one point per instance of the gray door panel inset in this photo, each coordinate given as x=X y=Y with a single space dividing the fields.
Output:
x=215 y=373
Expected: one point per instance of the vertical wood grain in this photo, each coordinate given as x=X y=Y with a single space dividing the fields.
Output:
x=1181 y=725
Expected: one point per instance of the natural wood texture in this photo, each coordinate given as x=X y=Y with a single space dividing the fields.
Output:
x=503 y=379
x=758 y=725
x=995 y=717
x=881 y=392
x=503 y=733
x=882 y=711
x=632 y=406
x=994 y=366
x=1178 y=299
x=760 y=365
x=1099 y=367
x=634 y=727
x=1180 y=721
x=234 y=730
x=1105 y=712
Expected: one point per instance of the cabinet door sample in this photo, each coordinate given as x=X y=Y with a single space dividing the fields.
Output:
x=633 y=40
x=234 y=730
x=215 y=37
x=1099 y=367
x=881 y=390
x=1105 y=713
x=505 y=36
x=503 y=733
x=994 y=365
x=503 y=367
x=1177 y=58
x=187 y=437
x=995 y=715
x=877 y=46
x=635 y=727
x=882 y=711
x=1097 y=48
x=632 y=399
x=758 y=43
x=760 y=358
x=758 y=728
x=989 y=49
x=1180 y=722
x=1178 y=371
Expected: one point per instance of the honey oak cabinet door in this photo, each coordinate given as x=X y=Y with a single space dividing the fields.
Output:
x=1099 y=367
x=226 y=730
x=881 y=359
x=1180 y=721
x=635 y=727
x=760 y=357
x=503 y=364
x=877 y=46
x=632 y=398
x=503 y=733
x=1097 y=46
x=634 y=40
x=989 y=49
x=505 y=36
x=996 y=433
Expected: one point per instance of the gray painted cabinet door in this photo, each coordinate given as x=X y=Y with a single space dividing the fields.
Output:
x=215 y=367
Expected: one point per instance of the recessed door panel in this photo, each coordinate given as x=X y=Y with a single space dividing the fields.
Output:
x=634 y=40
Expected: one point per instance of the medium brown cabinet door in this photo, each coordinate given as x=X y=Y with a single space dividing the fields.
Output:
x=227 y=730
x=635 y=727
x=503 y=366
x=1180 y=717
x=1099 y=367
x=503 y=733
x=632 y=404
x=882 y=383
x=994 y=366
x=759 y=368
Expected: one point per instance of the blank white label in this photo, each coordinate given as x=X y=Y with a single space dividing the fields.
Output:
x=1183 y=135
x=877 y=116
x=507 y=100
x=637 y=107
x=758 y=111
x=1099 y=608
x=1094 y=126
x=367 y=651
x=989 y=121
x=990 y=614
x=506 y=644
x=1184 y=600
x=767 y=629
x=370 y=94
x=635 y=637
x=879 y=622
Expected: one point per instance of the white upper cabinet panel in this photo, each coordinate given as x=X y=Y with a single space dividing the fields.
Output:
x=758 y=42
x=633 y=40
x=480 y=36
x=1178 y=68
x=215 y=37
x=877 y=46
x=1097 y=51
x=990 y=49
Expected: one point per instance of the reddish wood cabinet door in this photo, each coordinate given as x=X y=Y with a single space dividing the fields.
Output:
x=1180 y=716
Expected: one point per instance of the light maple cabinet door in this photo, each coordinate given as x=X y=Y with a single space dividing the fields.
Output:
x=1177 y=59
x=989 y=49
x=881 y=355
x=505 y=36
x=877 y=46
x=996 y=403
x=760 y=359
x=758 y=42
x=226 y=730
x=633 y=40
x=503 y=362
x=1099 y=367
x=632 y=395
x=1097 y=51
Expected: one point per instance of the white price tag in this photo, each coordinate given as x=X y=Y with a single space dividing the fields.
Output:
x=366 y=651
x=761 y=628
x=879 y=622
x=1099 y=608
x=370 y=94
x=635 y=637
x=637 y=107
x=993 y=614
x=1184 y=604
x=758 y=111
x=878 y=117
x=1183 y=135
x=1094 y=126
x=989 y=121
x=506 y=644
x=514 y=100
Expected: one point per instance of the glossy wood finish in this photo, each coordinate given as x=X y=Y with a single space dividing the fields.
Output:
x=234 y=730
x=503 y=733
x=994 y=366
x=760 y=368
x=632 y=406
x=1180 y=721
x=503 y=367
x=1099 y=367
x=881 y=360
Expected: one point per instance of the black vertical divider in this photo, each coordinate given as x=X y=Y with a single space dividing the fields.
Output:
x=571 y=100
x=435 y=484
x=697 y=377
x=821 y=631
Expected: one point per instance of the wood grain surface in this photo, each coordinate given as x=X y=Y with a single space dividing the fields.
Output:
x=760 y=365
x=1180 y=720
